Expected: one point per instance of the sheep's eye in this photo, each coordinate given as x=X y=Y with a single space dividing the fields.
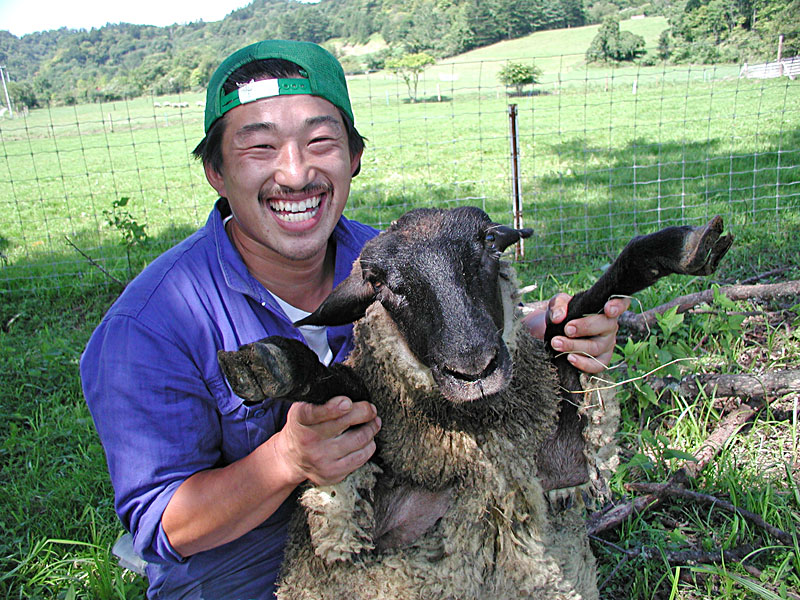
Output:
x=376 y=285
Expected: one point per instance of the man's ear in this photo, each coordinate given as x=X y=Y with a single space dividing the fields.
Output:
x=215 y=178
x=355 y=163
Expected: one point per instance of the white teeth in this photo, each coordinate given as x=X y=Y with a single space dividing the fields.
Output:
x=283 y=206
x=294 y=212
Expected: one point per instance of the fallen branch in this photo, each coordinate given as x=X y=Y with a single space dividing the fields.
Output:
x=774 y=383
x=643 y=322
x=760 y=276
x=726 y=428
x=613 y=516
x=670 y=489
x=94 y=263
x=681 y=556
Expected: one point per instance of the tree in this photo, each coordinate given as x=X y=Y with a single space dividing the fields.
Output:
x=21 y=94
x=612 y=45
x=410 y=67
x=519 y=75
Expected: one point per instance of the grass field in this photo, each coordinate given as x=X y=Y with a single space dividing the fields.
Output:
x=599 y=163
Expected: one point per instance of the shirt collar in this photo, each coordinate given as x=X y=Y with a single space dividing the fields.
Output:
x=238 y=278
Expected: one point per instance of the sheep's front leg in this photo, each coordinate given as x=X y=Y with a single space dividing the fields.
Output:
x=279 y=367
x=644 y=260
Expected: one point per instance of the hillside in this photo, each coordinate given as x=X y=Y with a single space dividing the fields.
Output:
x=117 y=61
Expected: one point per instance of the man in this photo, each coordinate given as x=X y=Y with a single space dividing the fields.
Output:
x=204 y=482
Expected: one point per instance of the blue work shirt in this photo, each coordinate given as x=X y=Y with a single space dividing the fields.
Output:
x=164 y=411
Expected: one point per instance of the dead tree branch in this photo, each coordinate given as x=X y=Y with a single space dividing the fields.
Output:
x=680 y=556
x=678 y=491
x=760 y=276
x=643 y=322
x=726 y=428
x=613 y=516
x=725 y=384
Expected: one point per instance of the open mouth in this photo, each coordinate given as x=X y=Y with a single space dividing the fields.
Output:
x=296 y=211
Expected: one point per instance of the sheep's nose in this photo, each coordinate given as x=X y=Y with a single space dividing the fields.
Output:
x=473 y=369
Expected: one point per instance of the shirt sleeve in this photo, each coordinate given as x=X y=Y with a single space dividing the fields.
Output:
x=156 y=419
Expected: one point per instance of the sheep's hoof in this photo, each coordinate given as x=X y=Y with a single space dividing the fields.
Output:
x=262 y=369
x=565 y=498
x=703 y=248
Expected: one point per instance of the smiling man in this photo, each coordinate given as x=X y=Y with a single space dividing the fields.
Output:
x=204 y=481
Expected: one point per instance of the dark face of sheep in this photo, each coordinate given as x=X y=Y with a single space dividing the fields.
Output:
x=437 y=274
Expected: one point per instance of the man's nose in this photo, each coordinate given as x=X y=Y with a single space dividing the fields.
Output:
x=293 y=169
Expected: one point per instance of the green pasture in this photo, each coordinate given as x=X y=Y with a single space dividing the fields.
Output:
x=596 y=165
x=606 y=152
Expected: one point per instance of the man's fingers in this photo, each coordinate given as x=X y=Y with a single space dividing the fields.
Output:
x=591 y=345
x=335 y=409
x=345 y=453
x=616 y=306
x=557 y=307
x=590 y=364
x=325 y=443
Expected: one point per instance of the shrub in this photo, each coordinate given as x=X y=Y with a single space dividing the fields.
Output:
x=519 y=75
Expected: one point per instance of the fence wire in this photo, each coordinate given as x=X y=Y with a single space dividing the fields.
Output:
x=605 y=153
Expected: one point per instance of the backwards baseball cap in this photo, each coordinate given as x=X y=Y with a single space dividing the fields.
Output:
x=322 y=76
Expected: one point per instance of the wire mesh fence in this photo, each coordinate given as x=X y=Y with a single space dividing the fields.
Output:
x=604 y=153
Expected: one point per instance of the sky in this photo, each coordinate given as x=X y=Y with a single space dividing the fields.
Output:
x=26 y=16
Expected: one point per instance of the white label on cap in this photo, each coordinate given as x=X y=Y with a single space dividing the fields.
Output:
x=255 y=90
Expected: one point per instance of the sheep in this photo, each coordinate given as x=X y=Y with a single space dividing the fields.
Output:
x=476 y=489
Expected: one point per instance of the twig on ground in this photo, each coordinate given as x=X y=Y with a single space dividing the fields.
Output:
x=726 y=428
x=641 y=323
x=760 y=276
x=681 y=556
x=756 y=572
x=94 y=263
x=726 y=384
x=670 y=489
x=613 y=516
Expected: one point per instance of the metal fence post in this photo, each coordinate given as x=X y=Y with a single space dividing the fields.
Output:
x=516 y=192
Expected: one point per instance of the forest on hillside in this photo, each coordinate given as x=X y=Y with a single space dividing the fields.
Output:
x=68 y=66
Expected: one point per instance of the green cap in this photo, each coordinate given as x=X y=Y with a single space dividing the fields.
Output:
x=324 y=77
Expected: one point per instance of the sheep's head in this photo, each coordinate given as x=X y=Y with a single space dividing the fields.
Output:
x=437 y=273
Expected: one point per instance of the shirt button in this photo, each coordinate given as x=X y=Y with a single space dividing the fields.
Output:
x=259 y=413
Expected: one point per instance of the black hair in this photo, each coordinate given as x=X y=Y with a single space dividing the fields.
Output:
x=209 y=150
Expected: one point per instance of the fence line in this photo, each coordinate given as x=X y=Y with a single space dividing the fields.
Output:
x=604 y=153
x=787 y=67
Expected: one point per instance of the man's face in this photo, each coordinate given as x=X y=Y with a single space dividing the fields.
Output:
x=286 y=173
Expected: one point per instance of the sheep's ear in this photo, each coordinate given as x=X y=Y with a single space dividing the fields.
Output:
x=346 y=303
x=505 y=236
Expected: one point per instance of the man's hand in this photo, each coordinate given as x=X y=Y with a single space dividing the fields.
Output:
x=326 y=443
x=590 y=340
x=321 y=443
